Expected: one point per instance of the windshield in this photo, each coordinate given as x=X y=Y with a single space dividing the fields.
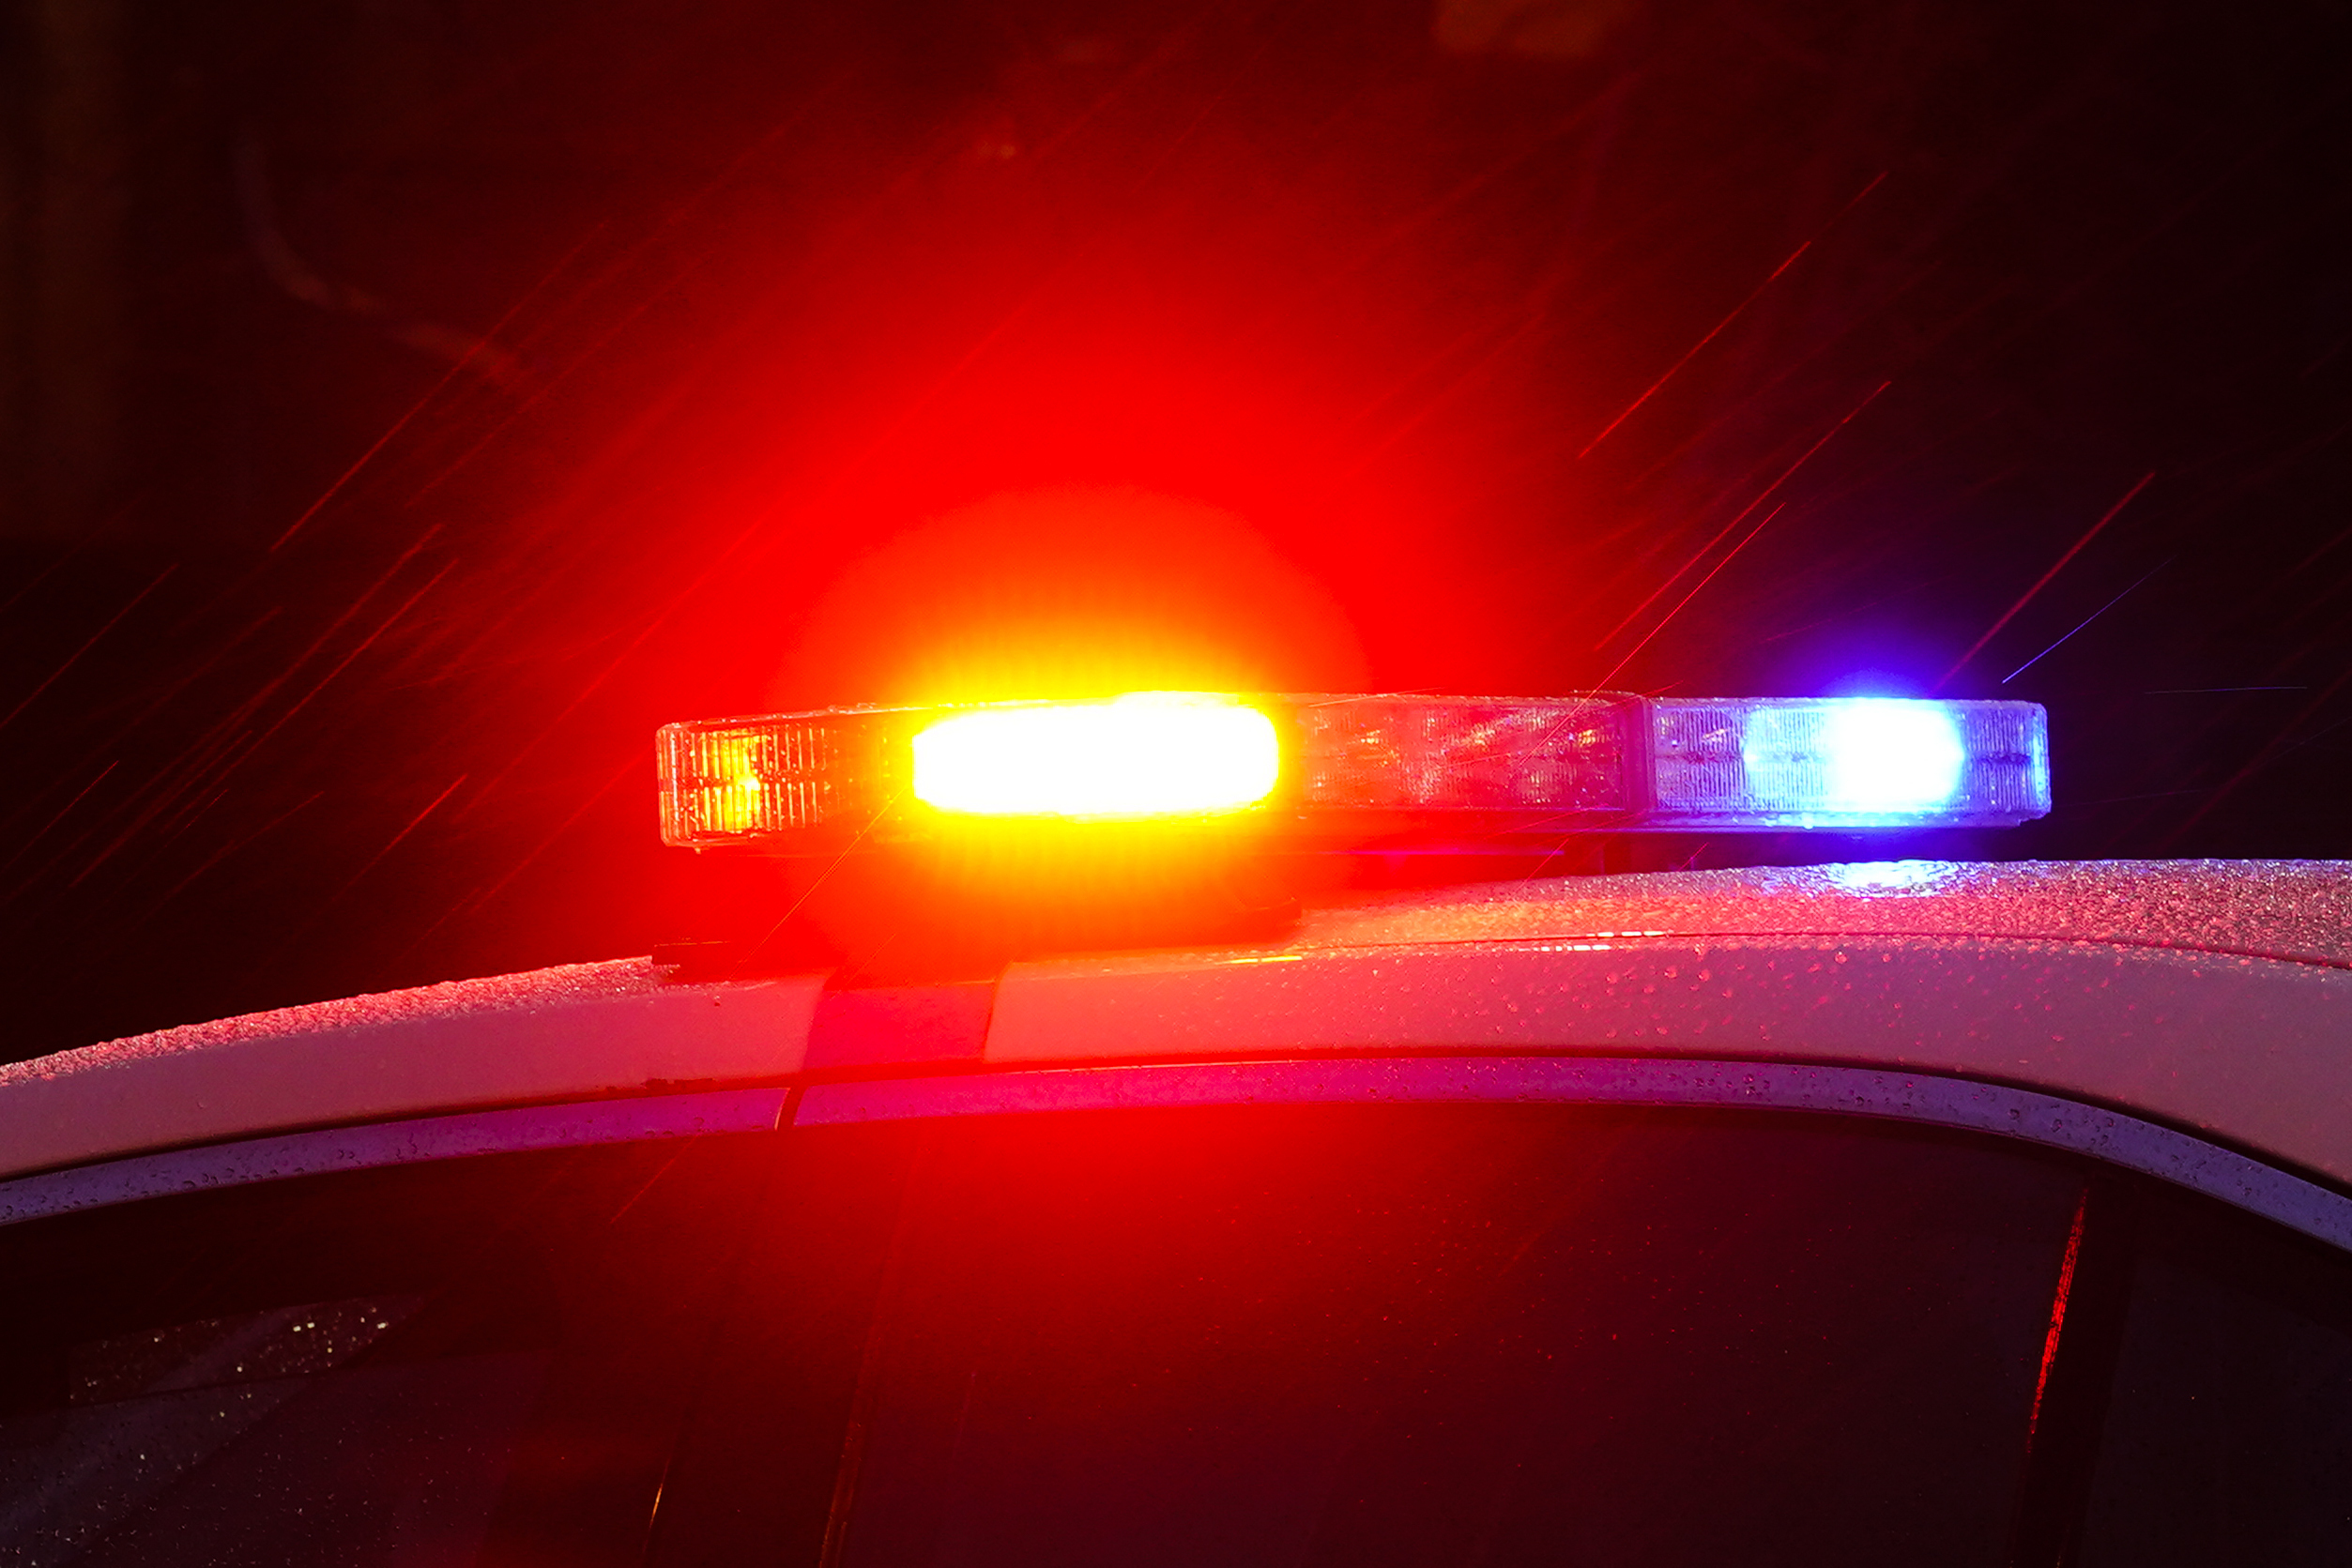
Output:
x=470 y=1361
x=1471 y=1335
x=1461 y=1337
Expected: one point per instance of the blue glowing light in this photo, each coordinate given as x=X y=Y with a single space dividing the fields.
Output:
x=1867 y=758
x=1886 y=754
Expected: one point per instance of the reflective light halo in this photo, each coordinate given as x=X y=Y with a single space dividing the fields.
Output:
x=1890 y=877
x=1145 y=754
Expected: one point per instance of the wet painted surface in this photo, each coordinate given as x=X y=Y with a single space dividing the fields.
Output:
x=2300 y=909
x=2217 y=995
x=579 y=1030
x=2255 y=1051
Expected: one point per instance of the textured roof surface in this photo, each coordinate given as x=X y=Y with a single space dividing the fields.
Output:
x=2298 y=909
x=567 y=984
x=577 y=1031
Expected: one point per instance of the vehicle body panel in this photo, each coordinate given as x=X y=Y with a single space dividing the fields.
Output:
x=576 y=1032
x=2252 y=1051
x=2211 y=995
x=2097 y=1144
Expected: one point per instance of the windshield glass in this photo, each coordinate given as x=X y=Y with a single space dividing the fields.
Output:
x=1473 y=1337
x=475 y=1360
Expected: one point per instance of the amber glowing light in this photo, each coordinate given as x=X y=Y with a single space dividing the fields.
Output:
x=1146 y=755
x=734 y=802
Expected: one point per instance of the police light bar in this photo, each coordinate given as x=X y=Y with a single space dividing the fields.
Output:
x=1463 y=773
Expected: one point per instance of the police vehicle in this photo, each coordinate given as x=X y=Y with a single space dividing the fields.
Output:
x=1900 y=1213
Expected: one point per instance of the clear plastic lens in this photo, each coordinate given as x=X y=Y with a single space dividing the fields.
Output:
x=756 y=778
x=1451 y=753
x=1458 y=771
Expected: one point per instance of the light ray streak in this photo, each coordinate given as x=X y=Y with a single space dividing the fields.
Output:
x=42 y=832
x=634 y=767
x=2086 y=622
x=233 y=847
x=2263 y=757
x=1717 y=330
x=1761 y=496
x=386 y=439
x=2043 y=580
x=413 y=823
x=75 y=657
x=1667 y=620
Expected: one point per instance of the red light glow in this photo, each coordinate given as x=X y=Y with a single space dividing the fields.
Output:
x=1146 y=755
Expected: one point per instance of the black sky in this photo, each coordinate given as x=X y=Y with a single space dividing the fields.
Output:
x=408 y=405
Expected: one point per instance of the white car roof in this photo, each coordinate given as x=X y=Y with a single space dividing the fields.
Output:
x=2211 y=994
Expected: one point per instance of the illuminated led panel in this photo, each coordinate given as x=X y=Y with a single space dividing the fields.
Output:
x=1846 y=762
x=1143 y=755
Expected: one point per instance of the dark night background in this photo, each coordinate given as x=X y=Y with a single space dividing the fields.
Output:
x=407 y=405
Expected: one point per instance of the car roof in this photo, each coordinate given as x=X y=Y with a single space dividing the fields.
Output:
x=2215 y=995
x=2290 y=910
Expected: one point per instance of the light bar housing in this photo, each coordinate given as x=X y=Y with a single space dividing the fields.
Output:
x=1445 y=771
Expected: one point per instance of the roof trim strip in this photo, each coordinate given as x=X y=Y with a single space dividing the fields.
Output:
x=389 y=1143
x=2162 y=1153
x=2110 y=1137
